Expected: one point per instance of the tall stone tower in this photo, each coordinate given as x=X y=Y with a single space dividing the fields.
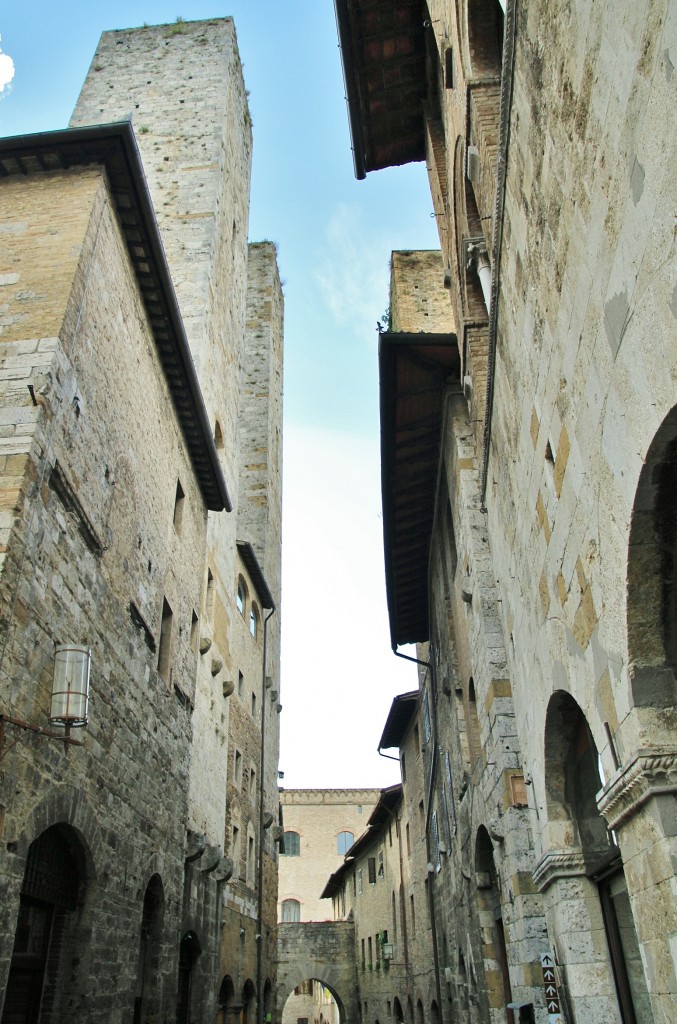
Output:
x=164 y=284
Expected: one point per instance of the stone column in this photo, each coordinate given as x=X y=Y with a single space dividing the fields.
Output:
x=639 y=804
x=577 y=935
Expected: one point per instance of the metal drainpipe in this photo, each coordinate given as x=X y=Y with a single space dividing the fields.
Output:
x=507 y=78
x=259 y=937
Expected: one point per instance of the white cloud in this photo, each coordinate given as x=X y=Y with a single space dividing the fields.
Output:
x=6 y=71
x=353 y=276
x=338 y=673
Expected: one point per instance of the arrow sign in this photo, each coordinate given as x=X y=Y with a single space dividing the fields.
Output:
x=549 y=983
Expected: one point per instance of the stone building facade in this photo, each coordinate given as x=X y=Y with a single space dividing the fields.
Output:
x=141 y=389
x=320 y=827
x=528 y=445
x=383 y=887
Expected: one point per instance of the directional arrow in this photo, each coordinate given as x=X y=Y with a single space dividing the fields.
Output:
x=553 y=1006
x=548 y=974
x=546 y=959
x=550 y=992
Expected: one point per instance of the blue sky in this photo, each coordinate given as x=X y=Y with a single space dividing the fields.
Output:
x=335 y=235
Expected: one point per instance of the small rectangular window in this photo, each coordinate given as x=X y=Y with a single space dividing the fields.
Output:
x=165 y=645
x=253 y=705
x=237 y=772
x=236 y=849
x=240 y=685
x=194 y=632
x=209 y=599
x=380 y=864
x=371 y=951
x=250 y=859
x=179 y=501
x=252 y=783
x=449 y=68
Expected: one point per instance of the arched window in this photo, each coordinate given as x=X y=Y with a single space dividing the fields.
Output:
x=291 y=910
x=344 y=841
x=254 y=621
x=292 y=844
x=218 y=436
x=241 y=595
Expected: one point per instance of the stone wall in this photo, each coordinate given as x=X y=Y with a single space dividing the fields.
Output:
x=319 y=950
x=182 y=85
x=92 y=553
x=551 y=656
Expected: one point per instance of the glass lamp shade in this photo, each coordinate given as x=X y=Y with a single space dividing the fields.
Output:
x=70 y=685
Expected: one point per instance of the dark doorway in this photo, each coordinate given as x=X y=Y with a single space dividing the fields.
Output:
x=49 y=893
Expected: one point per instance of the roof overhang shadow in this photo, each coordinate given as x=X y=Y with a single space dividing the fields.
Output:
x=384 y=69
x=415 y=371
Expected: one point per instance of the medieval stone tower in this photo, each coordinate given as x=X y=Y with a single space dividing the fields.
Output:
x=142 y=391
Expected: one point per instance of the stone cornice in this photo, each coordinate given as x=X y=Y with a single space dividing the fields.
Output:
x=556 y=864
x=650 y=772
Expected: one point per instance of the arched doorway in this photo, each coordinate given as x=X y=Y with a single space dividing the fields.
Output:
x=189 y=951
x=313 y=1000
x=586 y=887
x=491 y=921
x=398 y=1012
x=226 y=999
x=53 y=891
x=248 y=1014
x=146 y=1001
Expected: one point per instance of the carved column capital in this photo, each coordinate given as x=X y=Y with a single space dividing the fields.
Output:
x=555 y=864
x=649 y=772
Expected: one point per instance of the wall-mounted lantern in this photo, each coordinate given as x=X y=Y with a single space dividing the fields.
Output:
x=69 y=701
x=70 y=684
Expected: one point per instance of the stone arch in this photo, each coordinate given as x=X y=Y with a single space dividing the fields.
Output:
x=572 y=778
x=226 y=999
x=147 y=997
x=652 y=574
x=490 y=913
x=190 y=949
x=248 y=1014
x=398 y=1012
x=584 y=877
x=321 y=951
x=434 y=1013
x=52 y=924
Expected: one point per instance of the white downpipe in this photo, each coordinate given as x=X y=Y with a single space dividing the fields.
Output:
x=484 y=274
